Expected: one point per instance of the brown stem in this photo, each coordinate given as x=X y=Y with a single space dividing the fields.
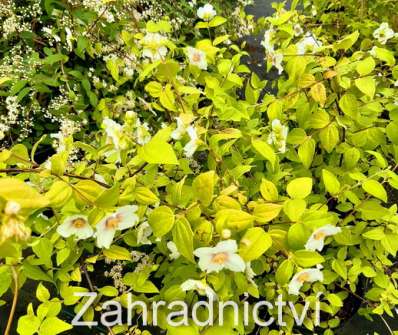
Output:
x=93 y=289
x=37 y=170
x=14 y=301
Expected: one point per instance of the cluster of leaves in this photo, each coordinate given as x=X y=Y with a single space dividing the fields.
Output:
x=205 y=156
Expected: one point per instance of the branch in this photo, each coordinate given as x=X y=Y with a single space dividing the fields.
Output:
x=14 y=301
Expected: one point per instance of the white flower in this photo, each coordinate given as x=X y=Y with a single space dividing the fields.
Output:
x=383 y=33
x=297 y=30
x=174 y=253
x=304 y=276
x=12 y=208
x=278 y=135
x=113 y=131
x=396 y=83
x=266 y=43
x=154 y=46
x=180 y=130
x=250 y=274
x=197 y=57
x=69 y=38
x=222 y=256
x=317 y=239
x=199 y=286
x=276 y=58
x=193 y=144
x=123 y=218
x=144 y=230
x=76 y=225
x=142 y=134
x=308 y=43
x=314 y=12
x=206 y=12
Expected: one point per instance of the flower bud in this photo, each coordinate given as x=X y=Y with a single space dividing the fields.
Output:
x=226 y=234
x=12 y=208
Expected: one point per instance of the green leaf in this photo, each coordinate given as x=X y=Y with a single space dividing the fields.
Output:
x=297 y=236
x=161 y=220
x=116 y=252
x=375 y=188
x=294 y=208
x=53 y=326
x=59 y=193
x=306 y=152
x=299 y=188
x=307 y=258
x=217 y=21
x=347 y=42
x=203 y=187
x=235 y=219
x=266 y=212
x=384 y=55
x=139 y=282
x=332 y=184
x=157 y=151
x=28 y=325
x=268 y=190
x=42 y=294
x=366 y=66
x=366 y=85
x=109 y=291
x=340 y=268
x=318 y=93
x=254 y=243
x=374 y=234
x=265 y=150
x=183 y=238
x=284 y=272
x=20 y=192
x=329 y=137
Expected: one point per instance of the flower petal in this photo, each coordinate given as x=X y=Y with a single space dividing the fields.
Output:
x=235 y=263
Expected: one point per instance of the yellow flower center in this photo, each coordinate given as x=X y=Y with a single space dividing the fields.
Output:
x=113 y=221
x=319 y=236
x=196 y=57
x=78 y=223
x=303 y=277
x=220 y=258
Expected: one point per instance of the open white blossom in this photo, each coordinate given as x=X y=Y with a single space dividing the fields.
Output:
x=197 y=58
x=193 y=144
x=317 y=238
x=383 y=33
x=222 y=256
x=304 y=276
x=76 y=225
x=308 y=44
x=123 y=218
x=174 y=253
x=207 y=12
x=144 y=230
x=278 y=135
x=154 y=46
x=199 y=286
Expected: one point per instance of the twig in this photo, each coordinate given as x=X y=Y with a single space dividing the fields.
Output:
x=92 y=289
x=387 y=325
x=14 y=301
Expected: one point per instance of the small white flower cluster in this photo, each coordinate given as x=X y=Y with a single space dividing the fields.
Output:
x=274 y=57
x=11 y=118
x=67 y=129
x=116 y=273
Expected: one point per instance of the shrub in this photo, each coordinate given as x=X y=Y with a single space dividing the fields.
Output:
x=200 y=182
